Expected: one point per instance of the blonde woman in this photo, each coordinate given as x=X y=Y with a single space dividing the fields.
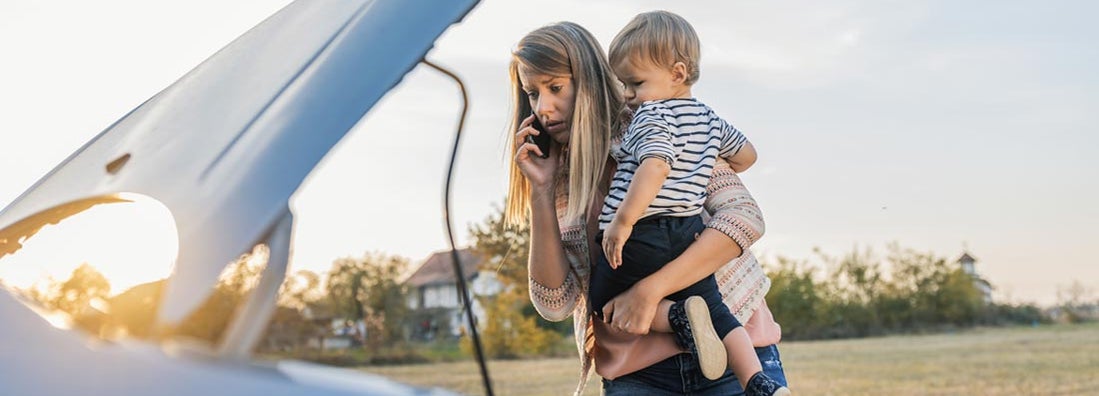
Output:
x=560 y=76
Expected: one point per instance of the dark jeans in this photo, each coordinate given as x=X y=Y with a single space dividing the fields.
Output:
x=654 y=242
x=680 y=375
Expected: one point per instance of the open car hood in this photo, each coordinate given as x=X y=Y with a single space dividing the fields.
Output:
x=225 y=146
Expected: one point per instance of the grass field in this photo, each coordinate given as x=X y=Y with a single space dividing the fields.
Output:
x=1044 y=360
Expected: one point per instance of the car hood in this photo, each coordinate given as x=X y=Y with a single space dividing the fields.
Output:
x=225 y=146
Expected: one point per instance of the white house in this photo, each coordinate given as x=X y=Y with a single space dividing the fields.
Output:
x=967 y=263
x=433 y=293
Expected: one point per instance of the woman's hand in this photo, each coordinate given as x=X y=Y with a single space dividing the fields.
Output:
x=539 y=171
x=633 y=310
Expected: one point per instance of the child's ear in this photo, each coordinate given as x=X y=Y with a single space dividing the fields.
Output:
x=679 y=72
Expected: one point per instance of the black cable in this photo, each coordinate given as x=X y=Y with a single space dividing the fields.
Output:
x=461 y=280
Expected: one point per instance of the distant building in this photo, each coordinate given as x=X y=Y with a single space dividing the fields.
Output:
x=433 y=294
x=967 y=263
x=333 y=332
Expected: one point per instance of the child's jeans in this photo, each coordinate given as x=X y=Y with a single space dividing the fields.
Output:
x=654 y=242
x=679 y=375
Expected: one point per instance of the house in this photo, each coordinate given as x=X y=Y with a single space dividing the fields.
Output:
x=433 y=294
x=967 y=263
x=332 y=332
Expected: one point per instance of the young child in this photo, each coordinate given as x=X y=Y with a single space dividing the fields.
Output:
x=652 y=212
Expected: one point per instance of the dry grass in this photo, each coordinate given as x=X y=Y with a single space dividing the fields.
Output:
x=1046 y=360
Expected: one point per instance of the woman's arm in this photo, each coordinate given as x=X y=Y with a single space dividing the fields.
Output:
x=735 y=225
x=554 y=290
x=547 y=263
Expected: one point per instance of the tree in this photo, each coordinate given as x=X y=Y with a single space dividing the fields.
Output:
x=77 y=297
x=859 y=297
x=300 y=289
x=237 y=280
x=290 y=327
x=796 y=299
x=508 y=333
x=1073 y=300
x=853 y=290
x=367 y=289
x=84 y=285
x=506 y=249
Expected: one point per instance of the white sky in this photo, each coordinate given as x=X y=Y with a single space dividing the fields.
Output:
x=935 y=124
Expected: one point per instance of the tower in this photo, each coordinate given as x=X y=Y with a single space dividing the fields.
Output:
x=968 y=266
x=966 y=262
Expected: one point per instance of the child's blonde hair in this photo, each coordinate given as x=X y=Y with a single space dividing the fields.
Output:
x=660 y=38
x=567 y=49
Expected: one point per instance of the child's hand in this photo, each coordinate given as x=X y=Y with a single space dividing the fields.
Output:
x=614 y=238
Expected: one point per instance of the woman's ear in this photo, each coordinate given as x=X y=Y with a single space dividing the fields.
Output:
x=679 y=72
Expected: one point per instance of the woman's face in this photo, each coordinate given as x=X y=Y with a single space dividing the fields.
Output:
x=552 y=99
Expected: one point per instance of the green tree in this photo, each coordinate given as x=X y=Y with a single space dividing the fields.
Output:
x=508 y=332
x=959 y=298
x=862 y=295
x=367 y=289
x=853 y=290
x=506 y=249
x=797 y=300
x=290 y=328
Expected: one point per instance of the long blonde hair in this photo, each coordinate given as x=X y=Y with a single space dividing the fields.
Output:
x=567 y=49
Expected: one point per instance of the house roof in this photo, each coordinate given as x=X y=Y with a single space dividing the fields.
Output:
x=439 y=268
x=966 y=257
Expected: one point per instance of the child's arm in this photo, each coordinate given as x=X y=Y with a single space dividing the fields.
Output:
x=646 y=184
x=744 y=158
x=736 y=149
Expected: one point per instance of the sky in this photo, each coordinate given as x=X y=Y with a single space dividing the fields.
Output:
x=942 y=126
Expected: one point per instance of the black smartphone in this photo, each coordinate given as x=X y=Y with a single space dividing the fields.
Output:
x=542 y=140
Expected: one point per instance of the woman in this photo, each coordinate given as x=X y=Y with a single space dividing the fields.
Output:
x=560 y=74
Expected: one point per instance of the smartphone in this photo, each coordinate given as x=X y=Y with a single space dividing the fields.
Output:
x=542 y=140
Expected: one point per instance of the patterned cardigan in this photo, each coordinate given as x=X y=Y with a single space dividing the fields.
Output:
x=742 y=282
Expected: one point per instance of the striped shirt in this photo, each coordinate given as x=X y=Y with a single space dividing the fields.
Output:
x=685 y=133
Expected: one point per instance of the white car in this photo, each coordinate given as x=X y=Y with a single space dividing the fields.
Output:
x=223 y=148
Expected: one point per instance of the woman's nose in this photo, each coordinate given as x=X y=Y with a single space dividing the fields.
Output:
x=541 y=107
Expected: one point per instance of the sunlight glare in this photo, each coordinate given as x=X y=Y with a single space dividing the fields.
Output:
x=129 y=243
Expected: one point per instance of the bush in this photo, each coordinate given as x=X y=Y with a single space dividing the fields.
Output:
x=859 y=295
x=508 y=333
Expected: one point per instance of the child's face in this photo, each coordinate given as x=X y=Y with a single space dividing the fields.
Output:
x=552 y=99
x=644 y=81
